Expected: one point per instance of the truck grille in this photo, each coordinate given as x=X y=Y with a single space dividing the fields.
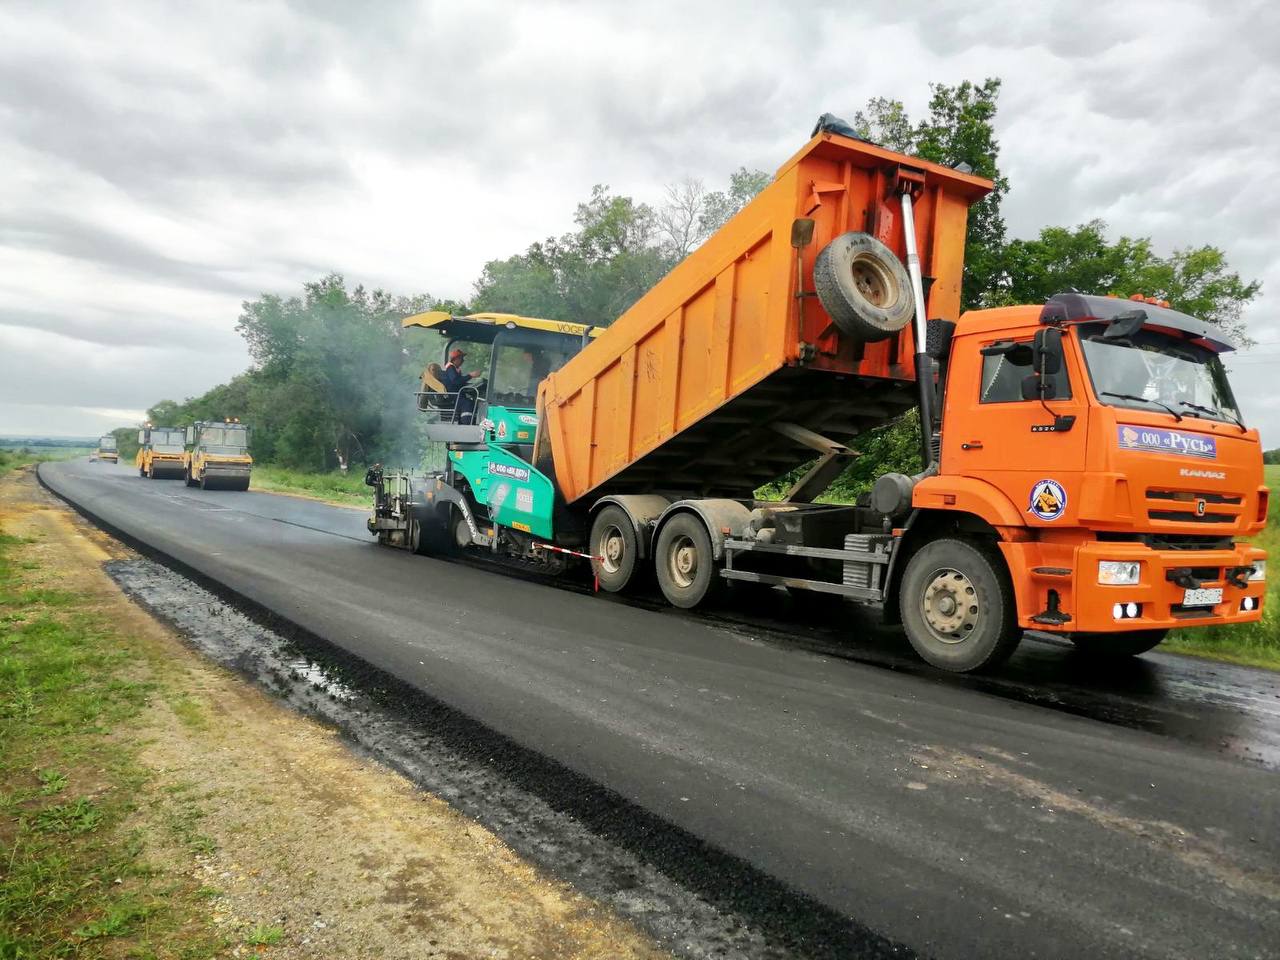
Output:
x=1200 y=506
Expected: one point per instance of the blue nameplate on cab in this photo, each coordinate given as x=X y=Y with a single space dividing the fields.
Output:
x=1134 y=437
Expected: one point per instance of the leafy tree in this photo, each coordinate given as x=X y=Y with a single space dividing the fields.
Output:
x=126 y=443
x=958 y=130
x=167 y=413
x=589 y=276
x=620 y=249
x=1271 y=456
x=1196 y=280
x=719 y=206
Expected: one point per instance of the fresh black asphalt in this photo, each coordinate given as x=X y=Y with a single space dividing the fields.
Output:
x=1028 y=814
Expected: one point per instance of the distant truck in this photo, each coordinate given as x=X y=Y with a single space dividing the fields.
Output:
x=217 y=455
x=161 y=453
x=1086 y=469
x=107 y=449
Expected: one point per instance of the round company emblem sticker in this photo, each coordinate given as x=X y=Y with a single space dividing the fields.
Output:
x=1048 y=500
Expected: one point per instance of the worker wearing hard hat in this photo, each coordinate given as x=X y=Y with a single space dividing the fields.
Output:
x=454 y=380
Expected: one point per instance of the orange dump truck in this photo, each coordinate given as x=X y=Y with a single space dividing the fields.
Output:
x=1087 y=472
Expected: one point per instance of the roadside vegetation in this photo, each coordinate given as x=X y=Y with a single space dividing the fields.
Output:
x=1256 y=644
x=13 y=457
x=78 y=877
x=153 y=804
x=332 y=487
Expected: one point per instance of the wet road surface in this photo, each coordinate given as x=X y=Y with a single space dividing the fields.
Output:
x=1055 y=808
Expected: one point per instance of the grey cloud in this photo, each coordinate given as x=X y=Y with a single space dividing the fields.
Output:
x=109 y=329
x=85 y=240
x=271 y=127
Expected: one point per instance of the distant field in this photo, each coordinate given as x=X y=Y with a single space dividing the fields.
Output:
x=1252 y=643
x=17 y=456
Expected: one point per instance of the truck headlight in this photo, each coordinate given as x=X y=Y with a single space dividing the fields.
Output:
x=1119 y=573
x=1259 y=571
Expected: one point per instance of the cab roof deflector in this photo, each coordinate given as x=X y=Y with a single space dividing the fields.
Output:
x=1075 y=307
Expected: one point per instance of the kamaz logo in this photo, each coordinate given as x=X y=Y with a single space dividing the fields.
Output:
x=1203 y=474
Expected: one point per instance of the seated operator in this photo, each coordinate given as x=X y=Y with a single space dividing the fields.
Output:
x=454 y=380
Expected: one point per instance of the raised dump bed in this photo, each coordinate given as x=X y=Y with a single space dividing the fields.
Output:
x=742 y=363
x=1060 y=496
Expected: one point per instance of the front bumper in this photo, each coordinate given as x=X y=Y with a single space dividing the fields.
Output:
x=212 y=468
x=1157 y=597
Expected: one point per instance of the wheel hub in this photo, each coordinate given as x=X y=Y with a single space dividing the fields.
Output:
x=872 y=281
x=612 y=546
x=950 y=606
x=684 y=561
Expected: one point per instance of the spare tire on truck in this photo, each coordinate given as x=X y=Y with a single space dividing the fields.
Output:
x=863 y=286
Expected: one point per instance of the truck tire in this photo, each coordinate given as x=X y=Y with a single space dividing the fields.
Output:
x=863 y=287
x=190 y=481
x=1130 y=644
x=615 y=549
x=686 y=566
x=431 y=536
x=958 y=606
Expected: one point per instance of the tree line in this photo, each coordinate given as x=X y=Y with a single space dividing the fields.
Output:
x=332 y=373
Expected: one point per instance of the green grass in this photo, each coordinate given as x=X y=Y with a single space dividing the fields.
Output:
x=75 y=879
x=335 y=487
x=1255 y=644
x=264 y=936
x=12 y=459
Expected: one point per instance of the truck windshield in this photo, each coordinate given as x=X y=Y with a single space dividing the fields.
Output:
x=227 y=441
x=167 y=441
x=522 y=359
x=1155 y=371
x=107 y=443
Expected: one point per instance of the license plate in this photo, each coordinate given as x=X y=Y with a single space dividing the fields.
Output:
x=1209 y=597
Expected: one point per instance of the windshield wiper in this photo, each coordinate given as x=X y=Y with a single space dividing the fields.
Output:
x=1215 y=414
x=1130 y=396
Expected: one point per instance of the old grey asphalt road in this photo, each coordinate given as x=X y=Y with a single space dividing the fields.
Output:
x=961 y=819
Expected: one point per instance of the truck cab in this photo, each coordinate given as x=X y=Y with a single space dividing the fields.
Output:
x=1100 y=438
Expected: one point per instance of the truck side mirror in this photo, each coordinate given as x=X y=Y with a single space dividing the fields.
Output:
x=1046 y=351
x=142 y=437
x=1046 y=363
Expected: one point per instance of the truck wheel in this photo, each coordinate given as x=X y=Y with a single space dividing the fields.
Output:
x=958 y=608
x=1118 y=644
x=686 y=567
x=460 y=533
x=614 y=549
x=429 y=536
x=190 y=482
x=863 y=287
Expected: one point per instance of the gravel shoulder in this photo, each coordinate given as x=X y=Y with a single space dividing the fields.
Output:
x=284 y=839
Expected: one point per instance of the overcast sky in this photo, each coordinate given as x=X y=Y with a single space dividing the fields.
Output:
x=163 y=162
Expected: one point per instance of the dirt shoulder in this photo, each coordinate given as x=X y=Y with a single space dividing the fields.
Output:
x=229 y=825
